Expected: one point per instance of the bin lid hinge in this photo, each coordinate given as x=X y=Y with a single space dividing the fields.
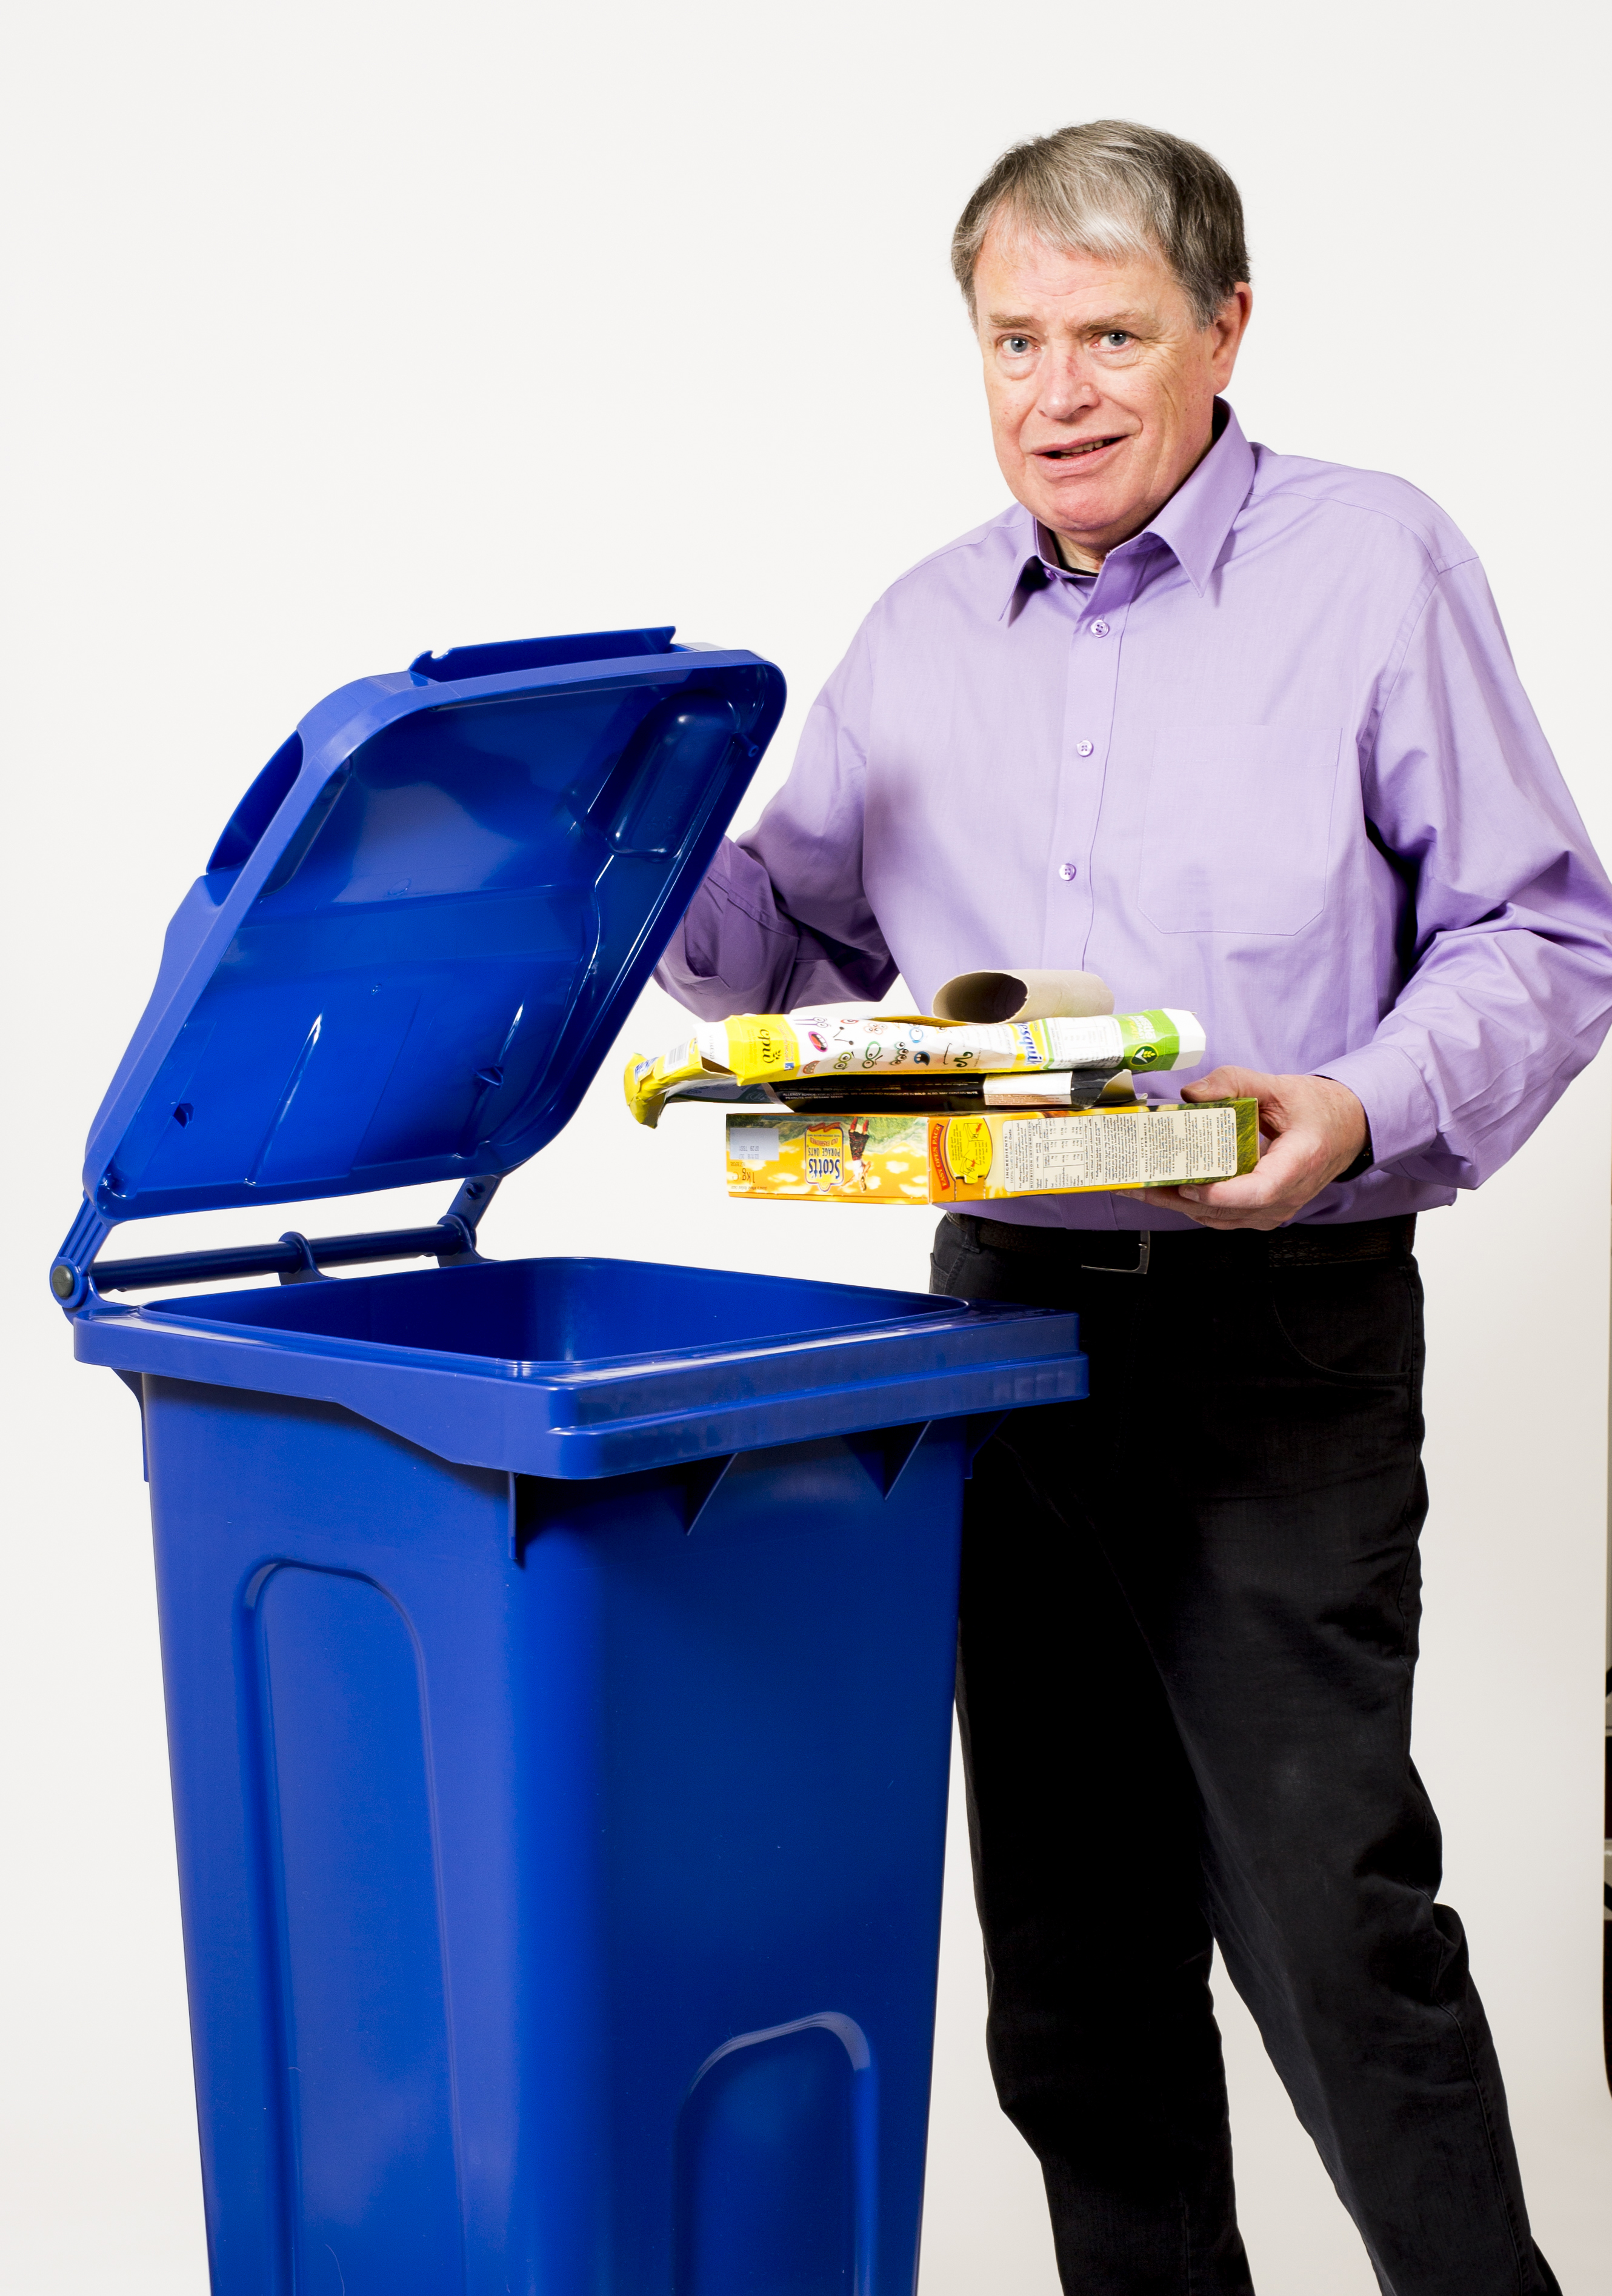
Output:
x=76 y=1273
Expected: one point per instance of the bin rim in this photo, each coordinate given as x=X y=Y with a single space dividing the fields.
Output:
x=933 y=1314
x=930 y=1311
x=942 y=1358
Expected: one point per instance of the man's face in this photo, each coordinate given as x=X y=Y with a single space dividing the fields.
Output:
x=1101 y=382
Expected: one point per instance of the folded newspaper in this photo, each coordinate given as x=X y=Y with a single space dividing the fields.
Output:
x=795 y=1059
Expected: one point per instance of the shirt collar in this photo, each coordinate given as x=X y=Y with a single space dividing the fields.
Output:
x=1193 y=524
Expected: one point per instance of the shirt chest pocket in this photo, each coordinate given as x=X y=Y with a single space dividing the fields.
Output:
x=1236 y=826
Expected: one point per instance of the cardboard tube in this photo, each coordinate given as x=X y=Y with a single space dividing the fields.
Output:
x=1022 y=996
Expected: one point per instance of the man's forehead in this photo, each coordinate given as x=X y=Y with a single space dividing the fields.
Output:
x=1019 y=273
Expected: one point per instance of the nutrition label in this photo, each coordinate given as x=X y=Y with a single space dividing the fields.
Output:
x=1119 y=1151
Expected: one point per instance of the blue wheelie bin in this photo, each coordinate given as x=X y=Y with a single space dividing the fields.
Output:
x=557 y=1652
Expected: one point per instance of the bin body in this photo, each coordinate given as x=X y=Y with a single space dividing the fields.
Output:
x=558 y=1653
x=560 y=1881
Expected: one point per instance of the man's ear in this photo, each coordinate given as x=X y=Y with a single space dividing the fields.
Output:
x=1230 y=324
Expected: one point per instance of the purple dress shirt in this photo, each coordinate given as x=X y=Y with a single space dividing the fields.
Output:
x=1274 y=764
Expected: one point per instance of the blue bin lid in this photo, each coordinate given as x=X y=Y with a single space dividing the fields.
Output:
x=425 y=920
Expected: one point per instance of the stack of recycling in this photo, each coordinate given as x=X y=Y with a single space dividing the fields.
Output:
x=1018 y=1085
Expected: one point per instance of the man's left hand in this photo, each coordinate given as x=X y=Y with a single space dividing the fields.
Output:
x=1316 y=1129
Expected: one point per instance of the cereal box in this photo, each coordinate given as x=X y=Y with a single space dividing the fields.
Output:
x=981 y=1159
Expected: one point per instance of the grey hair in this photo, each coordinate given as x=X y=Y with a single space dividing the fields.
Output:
x=1112 y=189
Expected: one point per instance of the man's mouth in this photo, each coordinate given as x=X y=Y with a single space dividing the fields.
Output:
x=1077 y=448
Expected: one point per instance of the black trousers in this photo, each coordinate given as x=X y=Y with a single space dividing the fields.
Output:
x=1189 y=1631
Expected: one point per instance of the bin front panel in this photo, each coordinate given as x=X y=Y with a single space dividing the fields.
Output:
x=560 y=1914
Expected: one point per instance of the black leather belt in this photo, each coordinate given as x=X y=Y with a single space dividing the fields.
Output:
x=1132 y=1252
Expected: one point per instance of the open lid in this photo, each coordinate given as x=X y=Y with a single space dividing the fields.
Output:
x=425 y=920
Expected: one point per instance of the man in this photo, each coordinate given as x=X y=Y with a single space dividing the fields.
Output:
x=1238 y=732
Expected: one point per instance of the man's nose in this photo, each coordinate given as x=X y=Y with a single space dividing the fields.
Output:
x=1066 y=389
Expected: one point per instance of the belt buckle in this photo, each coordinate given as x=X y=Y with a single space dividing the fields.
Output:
x=1144 y=1237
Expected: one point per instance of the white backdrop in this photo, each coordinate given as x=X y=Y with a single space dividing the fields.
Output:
x=343 y=330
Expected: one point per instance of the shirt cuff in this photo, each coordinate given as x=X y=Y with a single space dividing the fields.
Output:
x=1401 y=1116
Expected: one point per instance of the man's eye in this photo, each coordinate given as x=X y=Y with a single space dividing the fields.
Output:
x=1016 y=345
x=1117 y=339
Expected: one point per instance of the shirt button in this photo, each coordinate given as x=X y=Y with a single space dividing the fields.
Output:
x=1083 y=748
x=1068 y=871
x=1099 y=629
